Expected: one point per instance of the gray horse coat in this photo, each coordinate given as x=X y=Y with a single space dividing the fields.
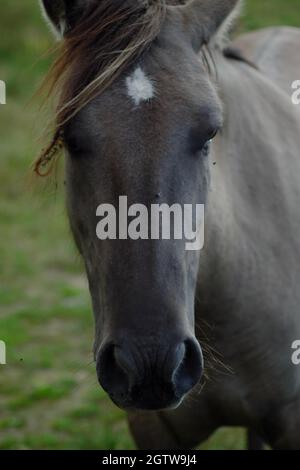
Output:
x=248 y=292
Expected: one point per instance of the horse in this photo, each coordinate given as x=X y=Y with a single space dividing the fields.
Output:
x=154 y=102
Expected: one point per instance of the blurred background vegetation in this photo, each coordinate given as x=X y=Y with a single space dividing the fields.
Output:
x=49 y=397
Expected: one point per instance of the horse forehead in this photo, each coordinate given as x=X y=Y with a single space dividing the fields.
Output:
x=140 y=86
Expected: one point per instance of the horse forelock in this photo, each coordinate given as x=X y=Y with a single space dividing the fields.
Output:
x=110 y=36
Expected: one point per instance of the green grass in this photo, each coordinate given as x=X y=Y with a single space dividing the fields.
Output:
x=49 y=398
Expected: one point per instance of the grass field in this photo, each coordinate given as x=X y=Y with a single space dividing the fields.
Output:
x=49 y=397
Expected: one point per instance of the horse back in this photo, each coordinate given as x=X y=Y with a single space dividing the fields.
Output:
x=276 y=53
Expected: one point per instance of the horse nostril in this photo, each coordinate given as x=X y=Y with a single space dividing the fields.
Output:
x=189 y=368
x=160 y=381
x=115 y=371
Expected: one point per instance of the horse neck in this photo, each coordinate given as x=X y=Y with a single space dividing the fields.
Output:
x=226 y=251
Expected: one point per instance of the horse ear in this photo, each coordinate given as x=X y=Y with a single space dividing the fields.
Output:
x=203 y=20
x=63 y=15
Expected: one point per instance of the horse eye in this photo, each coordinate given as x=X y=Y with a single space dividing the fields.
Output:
x=200 y=143
x=212 y=134
x=206 y=147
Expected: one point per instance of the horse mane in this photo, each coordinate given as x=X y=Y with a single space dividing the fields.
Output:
x=110 y=36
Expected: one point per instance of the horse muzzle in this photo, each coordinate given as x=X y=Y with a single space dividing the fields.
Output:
x=153 y=377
